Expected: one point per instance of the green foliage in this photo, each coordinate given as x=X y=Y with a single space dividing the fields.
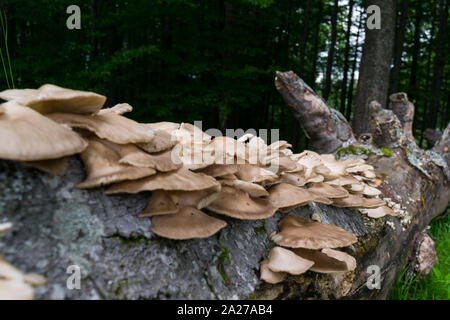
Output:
x=436 y=286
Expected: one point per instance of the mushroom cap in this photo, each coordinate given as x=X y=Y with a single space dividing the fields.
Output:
x=181 y=179
x=253 y=189
x=255 y=174
x=325 y=190
x=224 y=146
x=198 y=199
x=163 y=161
x=326 y=263
x=13 y=284
x=55 y=167
x=295 y=178
x=164 y=126
x=187 y=223
x=5 y=227
x=50 y=98
x=354 y=201
x=284 y=260
x=110 y=126
x=219 y=170
x=120 y=109
x=284 y=195
x=343 y=181
x=342 y=256
x=378 y=212
x=103 y=167
x=268 y=275
x=26 y=135
x=161 y=141
x=237 y=204
x=300 y=232
x=159 y=203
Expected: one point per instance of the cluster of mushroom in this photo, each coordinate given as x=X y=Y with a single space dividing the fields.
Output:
x=311 y=247
x=187 y=170
x=14 y=284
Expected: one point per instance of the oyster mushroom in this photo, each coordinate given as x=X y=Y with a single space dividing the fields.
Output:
x=103 y=167
x=109 y=126
x=327 y=260
x=26 y=135
x=284 y=260
x=160 y=142
x=299 y=232
x=284 y=195
x=268 y=275
x=159 y=203
x=187 y=223
x=181 y=179
x=238 y=204
x=50 y=98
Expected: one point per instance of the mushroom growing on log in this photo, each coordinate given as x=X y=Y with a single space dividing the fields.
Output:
x=57 y=225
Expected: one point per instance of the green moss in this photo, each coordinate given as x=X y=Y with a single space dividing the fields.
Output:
x=386 y=151
x=262 y=229
x=121 y=285
x=355 y=150
x=128 y=242
x=223 y=257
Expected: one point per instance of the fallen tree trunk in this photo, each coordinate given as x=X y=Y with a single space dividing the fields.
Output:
x=56 y=225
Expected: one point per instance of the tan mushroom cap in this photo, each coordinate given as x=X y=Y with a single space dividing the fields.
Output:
x=300 y=232
x=26 y=135
x=354 y=201
x=284 y=260
x=187 y=223
x=181 y=179
x=12 y=284
x=343 y=181
x=219 y=170
x=110 y=126
x=15 y=285
x=163 y=161
x=327 y=261
x=159 y=203
x=237 y=204
x=224 y=146
x=103 y=167
x=378 y=212
x=296 y=179
x=253 y=189
x=5 y=226
x=284 y=195
x=342 y=256
x=50 y=98
x=164 y=126
x=55 y=167
x=255 y=174
x=268 y=275
x=120 y=109
x=160 y=142
x=325 y=190
x=198 y=199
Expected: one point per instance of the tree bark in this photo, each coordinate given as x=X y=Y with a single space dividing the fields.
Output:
x=346 y=57
x=331 y=50
x=398 y=47
x=439 y=61
x=348 y=111
x=375 y=64
x=304 y=37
